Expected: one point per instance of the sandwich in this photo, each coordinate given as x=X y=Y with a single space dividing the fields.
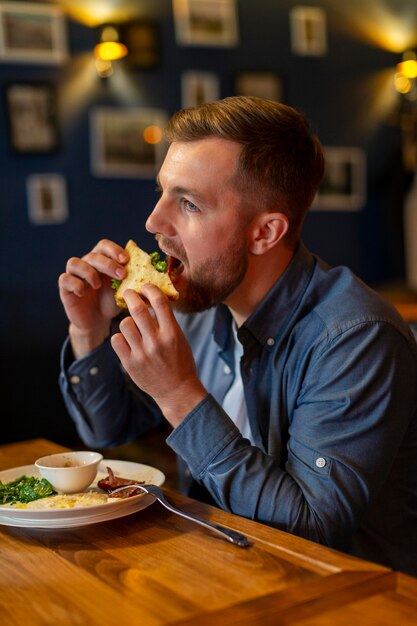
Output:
x=143 y=268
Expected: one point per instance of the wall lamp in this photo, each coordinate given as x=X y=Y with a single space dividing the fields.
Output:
x=109 y=49
x=406 y=75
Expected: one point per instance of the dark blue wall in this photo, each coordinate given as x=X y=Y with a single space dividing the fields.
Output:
x=336 y=93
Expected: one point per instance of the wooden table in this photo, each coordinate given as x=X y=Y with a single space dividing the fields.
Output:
x=154 y=567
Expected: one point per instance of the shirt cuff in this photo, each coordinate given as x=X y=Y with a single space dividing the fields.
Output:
x=202 y=435
x=85 y=375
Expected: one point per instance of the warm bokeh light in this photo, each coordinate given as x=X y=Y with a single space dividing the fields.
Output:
x=95 y=13
x=110 y=51
x=391 y=28
x=387 y=24
x=152 y=134
x=402 y=83
x=104 y=68
x=79 y=88
x=408 y=68
x=377 y=90
x=109 y=33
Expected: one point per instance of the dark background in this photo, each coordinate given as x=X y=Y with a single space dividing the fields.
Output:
x=347 y=94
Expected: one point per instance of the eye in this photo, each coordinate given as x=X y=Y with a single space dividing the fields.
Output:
x=189 y=206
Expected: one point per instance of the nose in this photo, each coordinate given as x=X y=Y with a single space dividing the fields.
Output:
x=149 y=224
x=159 y=221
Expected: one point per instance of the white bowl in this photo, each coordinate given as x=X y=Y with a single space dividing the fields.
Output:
x=69 y=472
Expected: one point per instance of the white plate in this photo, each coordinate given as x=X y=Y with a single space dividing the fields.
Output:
x=82 y=516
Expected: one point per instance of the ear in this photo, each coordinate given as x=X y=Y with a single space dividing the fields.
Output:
x=266 y=230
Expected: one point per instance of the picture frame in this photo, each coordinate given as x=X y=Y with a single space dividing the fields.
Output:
x=127 y=142
x=32 y=33
x=343 y=187
x=32 y=118
x=263 y=84
x=206 y=22
x=308 y=27
x=47 y=199
x=198 y=88
x=142 y=39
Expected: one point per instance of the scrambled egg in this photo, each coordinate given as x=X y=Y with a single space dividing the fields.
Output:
x=66 y=501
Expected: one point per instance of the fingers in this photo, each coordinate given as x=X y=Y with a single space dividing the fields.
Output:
x=121 y=347
x=81 y=270
x=106 y=258
x=160 y=305
x=142 y=342
x=68 y=283
x=112 y=250
x=147 y=325
x=142 y=320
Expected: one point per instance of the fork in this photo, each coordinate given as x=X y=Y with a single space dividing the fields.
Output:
x=227 y=533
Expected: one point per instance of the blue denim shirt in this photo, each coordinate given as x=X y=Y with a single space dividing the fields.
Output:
x=330 y=379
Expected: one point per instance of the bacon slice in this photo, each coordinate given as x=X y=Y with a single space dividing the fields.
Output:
x=113 y=482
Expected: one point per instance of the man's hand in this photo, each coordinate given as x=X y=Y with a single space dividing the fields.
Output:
x=155 y=353
x=87 y=296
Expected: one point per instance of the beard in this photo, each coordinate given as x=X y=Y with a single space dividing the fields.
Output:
x=213 y=281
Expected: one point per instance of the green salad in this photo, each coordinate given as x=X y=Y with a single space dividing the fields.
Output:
x=25 y=489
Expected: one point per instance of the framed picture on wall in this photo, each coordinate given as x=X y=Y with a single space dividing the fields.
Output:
x=343 y=187
x=143 y=42
x=198 y=88
x=308 y=26
x=32 y=117
x=32 y=33
x=262 y=84
x=127 y=142
x=47 y=199
x=206 y=22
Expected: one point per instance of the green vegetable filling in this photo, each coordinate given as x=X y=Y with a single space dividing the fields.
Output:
x=25 y=489
x=160 y=266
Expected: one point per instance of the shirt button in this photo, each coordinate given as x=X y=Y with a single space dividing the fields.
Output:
x=270 y=341
x=75 y=380
x=227 y=369
x=320 y=462
x=93 y=371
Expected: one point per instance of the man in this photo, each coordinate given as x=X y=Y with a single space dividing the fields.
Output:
x=290 y=386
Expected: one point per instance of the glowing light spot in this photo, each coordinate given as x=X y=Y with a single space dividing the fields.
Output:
x=93 y=13
x=152 y=134
x=109 y=33
x=408 y=68
x=389 y=28
x=110 y=51
x=402 y=83
x=104 y=68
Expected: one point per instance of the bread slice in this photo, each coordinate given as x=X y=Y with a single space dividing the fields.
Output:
x=140 y=271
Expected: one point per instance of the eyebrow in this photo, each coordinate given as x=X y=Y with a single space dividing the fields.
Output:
x=178 y=190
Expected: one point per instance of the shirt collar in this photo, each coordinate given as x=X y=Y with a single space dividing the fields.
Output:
x=269 y=319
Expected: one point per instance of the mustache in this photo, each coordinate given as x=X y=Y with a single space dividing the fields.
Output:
x=174 y=249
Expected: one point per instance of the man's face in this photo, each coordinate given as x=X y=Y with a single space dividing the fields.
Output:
x=200 y=222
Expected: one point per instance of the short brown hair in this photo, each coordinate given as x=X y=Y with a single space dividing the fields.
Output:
x=281 y=162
